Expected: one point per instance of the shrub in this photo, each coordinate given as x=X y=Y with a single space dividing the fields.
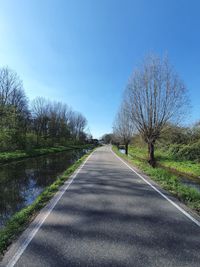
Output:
x=186 y=152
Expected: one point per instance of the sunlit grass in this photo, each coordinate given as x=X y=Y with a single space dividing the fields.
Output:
x=167 y=180
x=164 y=158
x=20 y=154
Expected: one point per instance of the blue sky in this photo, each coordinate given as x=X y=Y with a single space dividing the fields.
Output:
x=82 y=52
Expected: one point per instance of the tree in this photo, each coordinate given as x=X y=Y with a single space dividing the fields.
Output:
x=14 y=111
x=175 y=134
x=51 y=120
x=123 y=126
x=154 y=96
x=107 y=138
x=47 y=123
x=77 y=125
x=40 y=114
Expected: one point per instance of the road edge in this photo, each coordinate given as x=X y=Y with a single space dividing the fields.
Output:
x=17 y=248
x=195 y=218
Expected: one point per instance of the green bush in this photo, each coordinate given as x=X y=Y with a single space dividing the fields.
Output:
x=186 y=152
x=174 y=149
x=31 y=141
x=11 y=139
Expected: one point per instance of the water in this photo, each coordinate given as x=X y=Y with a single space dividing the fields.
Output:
x=21 y=182
x=122 y=150
x=191 y=182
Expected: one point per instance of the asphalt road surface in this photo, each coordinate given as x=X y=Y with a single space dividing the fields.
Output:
x=110 y=217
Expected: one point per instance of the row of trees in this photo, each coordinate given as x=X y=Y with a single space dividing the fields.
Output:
x=56 y=122
x=42 y=123
x=154 y=98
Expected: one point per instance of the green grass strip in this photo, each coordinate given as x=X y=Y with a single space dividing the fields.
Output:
x=168 y=181
x=21 y=219
x=20 y=154
x=164 y=158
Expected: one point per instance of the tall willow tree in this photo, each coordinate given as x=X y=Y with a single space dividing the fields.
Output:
x=123 y=127
x=154 y=96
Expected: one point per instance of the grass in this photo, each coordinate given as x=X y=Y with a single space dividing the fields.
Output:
x=167 y=180
x=21 y=219
x=187 y=167
x=20 y=154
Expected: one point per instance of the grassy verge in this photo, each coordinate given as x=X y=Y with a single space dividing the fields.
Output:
x=20 y=154
x=187 y=167
x=167 y=180
x=21 y=219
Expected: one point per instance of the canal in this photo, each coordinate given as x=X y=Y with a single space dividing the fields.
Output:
x=22 y=181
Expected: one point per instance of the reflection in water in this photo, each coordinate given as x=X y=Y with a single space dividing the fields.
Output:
x=122 y=150
x=21 y=182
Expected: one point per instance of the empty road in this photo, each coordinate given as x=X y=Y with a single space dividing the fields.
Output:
x=109 y=216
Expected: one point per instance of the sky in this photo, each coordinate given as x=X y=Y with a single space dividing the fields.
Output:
x=82 y=52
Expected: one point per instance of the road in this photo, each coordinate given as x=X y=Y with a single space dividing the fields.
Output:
x=109 y=216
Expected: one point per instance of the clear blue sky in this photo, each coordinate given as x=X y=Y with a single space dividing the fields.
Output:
x=82 y=52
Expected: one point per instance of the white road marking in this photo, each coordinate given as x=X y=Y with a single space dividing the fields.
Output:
x=33 y=232
x=58 y=196
x=159 y=192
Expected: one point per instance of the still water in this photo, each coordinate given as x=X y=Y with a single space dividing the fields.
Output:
x=21 y=182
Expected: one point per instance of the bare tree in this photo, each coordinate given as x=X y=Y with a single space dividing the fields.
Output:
x=59 y=119
x=107 y=138
x=123 y=126
x=155 y=95
x=40 y=113
x=77 y=124
x=14 y=113
x=12 y=92
x=46 y=123
x=51 y=119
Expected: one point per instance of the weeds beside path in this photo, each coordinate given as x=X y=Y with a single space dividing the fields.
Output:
x=167 y=180
x=163 y=158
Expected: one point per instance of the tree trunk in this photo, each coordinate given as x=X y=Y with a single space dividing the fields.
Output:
x=126 y=148
x=151 y=160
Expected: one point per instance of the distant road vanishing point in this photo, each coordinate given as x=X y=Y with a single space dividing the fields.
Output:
x=108 y=216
